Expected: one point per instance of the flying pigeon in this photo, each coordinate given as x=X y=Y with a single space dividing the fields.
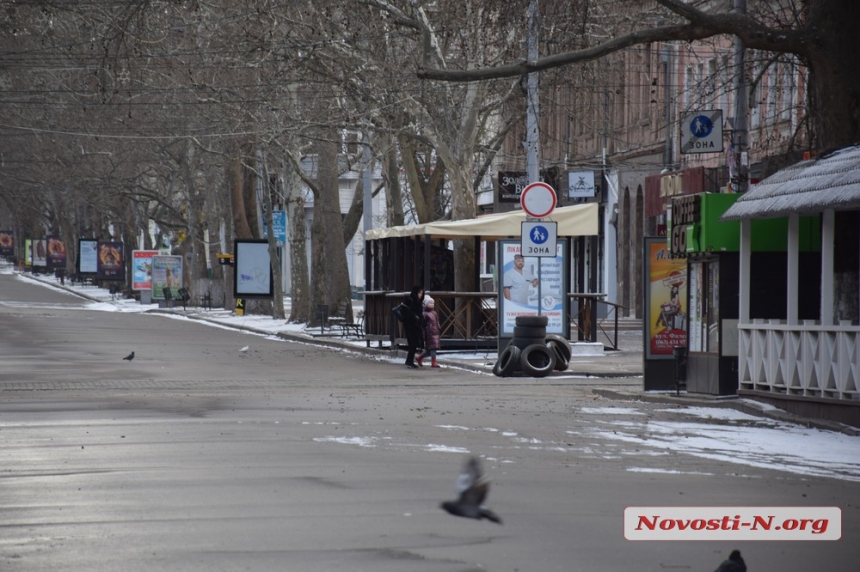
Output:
x=734 y=564
x=473 y=488
x=129 y=357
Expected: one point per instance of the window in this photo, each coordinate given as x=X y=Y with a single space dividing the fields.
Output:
x=773 y=91
x=725 y=85
x=788 y=89
x=350 y=141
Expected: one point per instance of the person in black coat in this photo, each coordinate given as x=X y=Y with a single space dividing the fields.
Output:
x=413 y=324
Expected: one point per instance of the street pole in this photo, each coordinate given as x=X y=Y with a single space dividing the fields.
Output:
x=367 y=216
x=533 y=104
x=532 y=113
x=739 y=177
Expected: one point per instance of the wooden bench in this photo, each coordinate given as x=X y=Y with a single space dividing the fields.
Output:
x=378 y=338
x=355 y=328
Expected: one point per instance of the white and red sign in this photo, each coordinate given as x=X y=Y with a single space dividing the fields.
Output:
x=538 y=200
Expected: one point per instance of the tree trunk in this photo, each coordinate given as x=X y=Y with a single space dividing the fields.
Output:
x=241 y=229
x=834 y=72
x=391 y=176
x=329 y=268
x=274 y=259
x=300 y=294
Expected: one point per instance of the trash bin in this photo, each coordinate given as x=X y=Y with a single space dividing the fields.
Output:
x=680 y=355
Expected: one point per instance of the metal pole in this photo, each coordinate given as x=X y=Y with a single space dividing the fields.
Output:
x=739 y=134
x=532 y=114
x=367 y=218
x=533 y=104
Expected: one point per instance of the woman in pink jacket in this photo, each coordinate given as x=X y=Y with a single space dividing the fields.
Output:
x=432 y=333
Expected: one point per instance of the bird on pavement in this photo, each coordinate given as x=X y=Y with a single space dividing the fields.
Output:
x=244 y=350
x=473 y=488
x=129 y=357
x=734 y=563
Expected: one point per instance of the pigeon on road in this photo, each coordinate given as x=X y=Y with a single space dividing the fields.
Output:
x=473 y=488
x=734 y=564
x=129 y=357
x=244 y=350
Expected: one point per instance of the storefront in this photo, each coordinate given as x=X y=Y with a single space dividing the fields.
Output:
x=713 y=284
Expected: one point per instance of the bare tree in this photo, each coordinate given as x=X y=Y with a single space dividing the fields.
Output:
x=821 y=33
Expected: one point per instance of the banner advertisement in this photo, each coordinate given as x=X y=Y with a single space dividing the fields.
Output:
x=28 y=252
x=141 y=269
x=665 y=300
x=166 y=273
x=7 y=243
x=519 y=292
x=580 y=184
x=88 y=257
x=512 y=183
x=56 y=252
x=110 y=262
x=253 y=275
x=40 y=253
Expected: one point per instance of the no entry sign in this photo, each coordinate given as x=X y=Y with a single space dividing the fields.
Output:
x=538 y=200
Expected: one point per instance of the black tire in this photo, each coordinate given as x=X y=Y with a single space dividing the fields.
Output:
x=523 y=343
x=564 y=345
x=530 y=332
x=559 y=351
x=508 y=362
x=532 y=321
x=537 y=360
x=497 y=370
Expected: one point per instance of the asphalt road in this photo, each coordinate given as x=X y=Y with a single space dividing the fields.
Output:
x=196 y=457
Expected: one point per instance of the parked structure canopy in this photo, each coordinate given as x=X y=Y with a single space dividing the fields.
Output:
x=576 y=220
x=831 y=181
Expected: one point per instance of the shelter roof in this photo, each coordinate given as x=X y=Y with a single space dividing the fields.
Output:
x=831 y=181
x=576 y=220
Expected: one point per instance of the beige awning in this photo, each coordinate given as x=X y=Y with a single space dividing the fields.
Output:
x=576 y=220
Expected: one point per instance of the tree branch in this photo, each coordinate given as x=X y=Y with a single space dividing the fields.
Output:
x=700 y=25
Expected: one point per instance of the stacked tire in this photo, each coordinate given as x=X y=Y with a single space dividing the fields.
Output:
x=532 y=351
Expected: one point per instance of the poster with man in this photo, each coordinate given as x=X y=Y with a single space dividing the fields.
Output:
x=528 y=283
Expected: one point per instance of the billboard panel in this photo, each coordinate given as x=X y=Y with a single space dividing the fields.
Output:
x=110 y=261
x=252 y=277
x=88 y=256
x=56 y=252
x=141 y=269
x=528 y=283
x=665 y=300
x=7 y=243
x=166 y=273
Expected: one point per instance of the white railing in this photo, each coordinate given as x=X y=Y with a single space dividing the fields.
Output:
x=804 y=360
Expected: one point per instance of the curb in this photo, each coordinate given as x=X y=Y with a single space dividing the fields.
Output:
x=732 y=402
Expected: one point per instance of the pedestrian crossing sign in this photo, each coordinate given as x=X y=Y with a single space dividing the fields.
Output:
x=539 y=238
x=702 y=131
